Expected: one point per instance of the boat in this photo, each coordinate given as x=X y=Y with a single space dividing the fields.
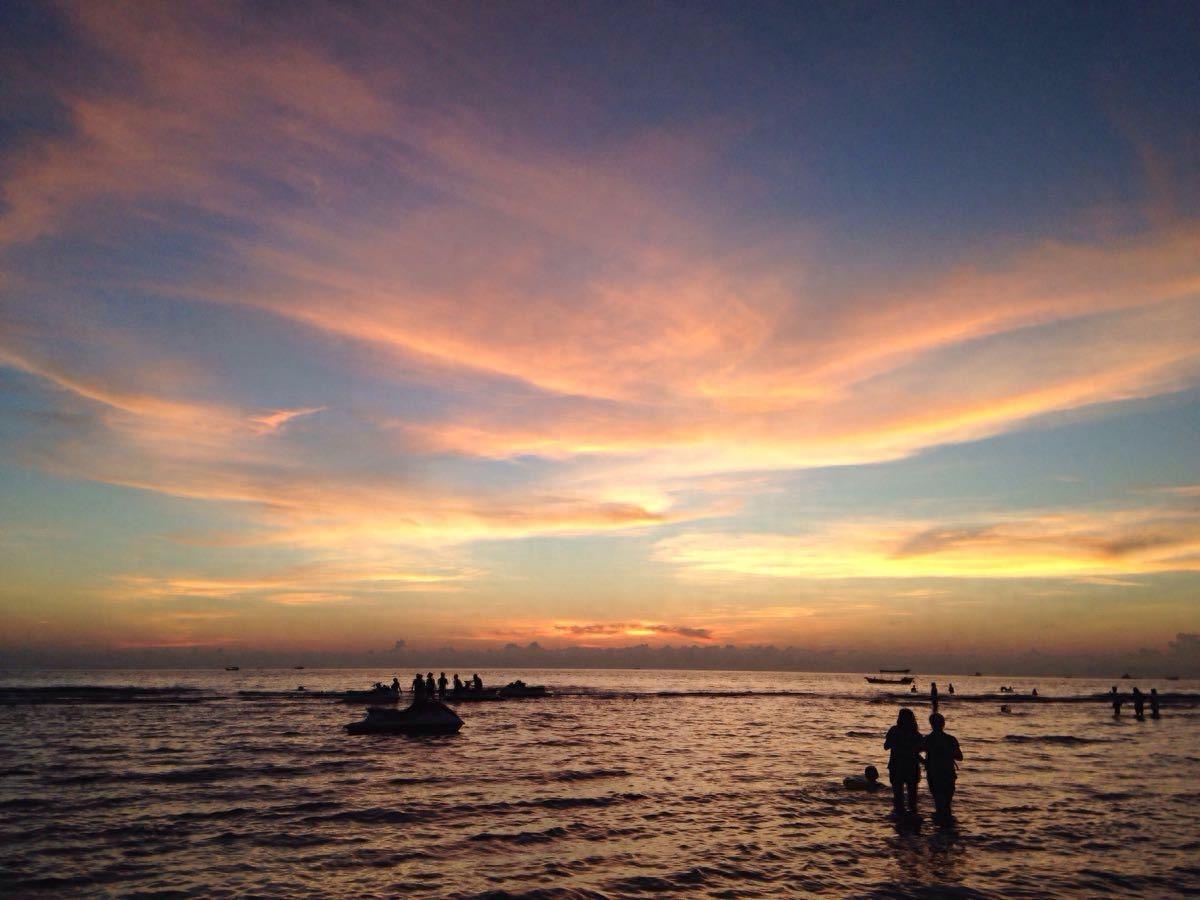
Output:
x=297 y=667
x=231 y=668
x=474 y=696
x=521 y=689
x=375 y=695
x=1126 y=676
x=425 y=717
x=908 y=679
x=895 y=671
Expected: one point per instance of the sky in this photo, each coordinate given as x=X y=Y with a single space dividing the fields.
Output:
x=855 y=328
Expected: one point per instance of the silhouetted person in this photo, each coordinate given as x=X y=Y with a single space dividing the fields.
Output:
x=430 y=686
x=904 y=740
x=1139 y=706
x=418 y=686
x=933 y=700
x=913 y=689
x=1154 y=703
x=1116 y=702
x=442 y=682
x=1035 y=692
x=395 y=684
x=457 y=684
x=942 y=755
x=867 y=781
x=950 y=689
x=379 y=686
x=477 y=682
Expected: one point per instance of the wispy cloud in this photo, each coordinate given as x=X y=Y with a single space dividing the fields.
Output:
x=1068 y=544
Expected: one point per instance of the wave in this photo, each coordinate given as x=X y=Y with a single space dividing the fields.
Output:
x=1064 y=739
x=94 y=693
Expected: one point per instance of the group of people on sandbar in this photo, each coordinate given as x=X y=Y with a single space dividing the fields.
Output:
x=1139 y=704
x=426 y=688
x=942 y=755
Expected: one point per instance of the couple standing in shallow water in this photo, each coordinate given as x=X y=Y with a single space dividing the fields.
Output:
x=942 y=755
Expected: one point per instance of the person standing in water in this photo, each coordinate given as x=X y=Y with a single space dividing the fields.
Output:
x=904 y=740
x=457 y=684
x=442 y=682
x=1116 y=702
x=933 y=700
x=1154 y=704
x=1139 y=706
x=430 y=687
x=942 y=755
x=418 y=686
x=950 y=689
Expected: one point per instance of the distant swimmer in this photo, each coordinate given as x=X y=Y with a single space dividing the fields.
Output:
x=950 y=689
x=933 y=697
x=867 y=781
x=904 y=741
x=913 y=689
x=1139 y=706
x=1116 y=702
x=942 y=755
x=441 y=683
x=1154 y=703
x=1035 y=693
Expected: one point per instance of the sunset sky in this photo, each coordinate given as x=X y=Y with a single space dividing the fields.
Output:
x=324 y=326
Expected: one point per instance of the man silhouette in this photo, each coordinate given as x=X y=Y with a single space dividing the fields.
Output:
x=942 y=755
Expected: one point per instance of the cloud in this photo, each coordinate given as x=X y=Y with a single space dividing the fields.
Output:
x=1066 y=544
x=627 y=629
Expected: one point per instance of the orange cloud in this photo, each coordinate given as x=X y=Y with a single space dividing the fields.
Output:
x=1074 y=544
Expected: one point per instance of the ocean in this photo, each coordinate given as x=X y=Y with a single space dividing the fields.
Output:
x=620 y=784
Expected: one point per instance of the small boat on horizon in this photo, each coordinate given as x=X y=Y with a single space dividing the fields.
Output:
x=231 y=668
x=895 y=671
x=908 y=679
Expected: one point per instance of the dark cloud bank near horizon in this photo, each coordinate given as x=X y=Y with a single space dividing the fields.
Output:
x=1180 y=657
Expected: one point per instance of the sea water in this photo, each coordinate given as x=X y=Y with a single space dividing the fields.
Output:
x=623 y=783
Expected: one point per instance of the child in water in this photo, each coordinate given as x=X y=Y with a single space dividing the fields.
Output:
x=867 y=781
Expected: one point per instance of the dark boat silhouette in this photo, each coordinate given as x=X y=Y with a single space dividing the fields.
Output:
x=375 y=695
x=424 y=717
x=908 y=679
x=231 y=668
x=895 y=671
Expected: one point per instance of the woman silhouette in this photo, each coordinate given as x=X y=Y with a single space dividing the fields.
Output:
x=904 y=740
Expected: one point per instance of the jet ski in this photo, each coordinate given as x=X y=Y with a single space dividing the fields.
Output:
x=521 y=689
x=426 y=717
